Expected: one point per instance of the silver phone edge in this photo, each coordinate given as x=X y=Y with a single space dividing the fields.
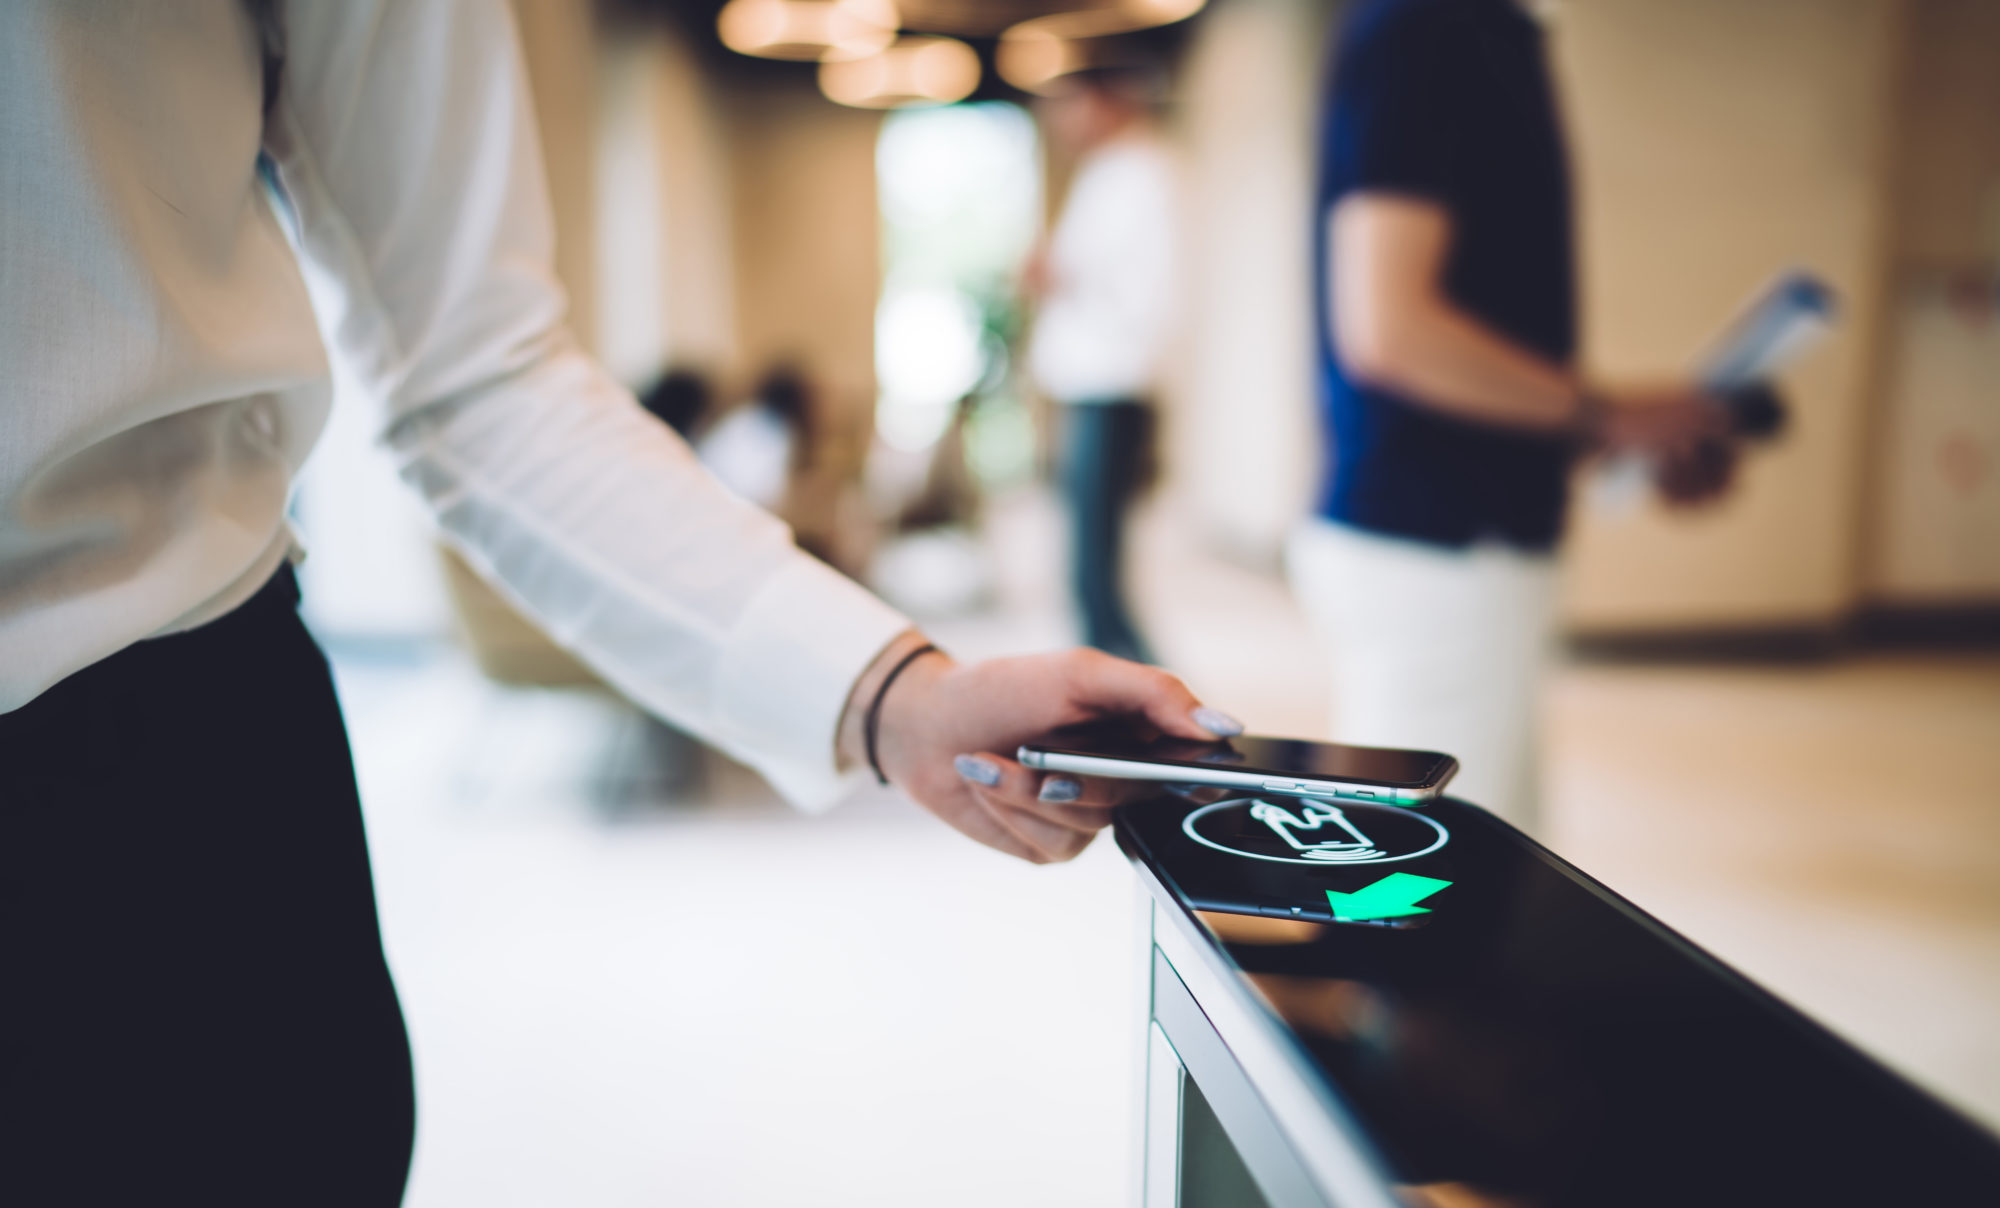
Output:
x=1129 y=769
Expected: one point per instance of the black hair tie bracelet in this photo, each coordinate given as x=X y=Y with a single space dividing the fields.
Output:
x=872 y=724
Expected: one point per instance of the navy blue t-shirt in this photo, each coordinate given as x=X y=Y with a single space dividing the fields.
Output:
x=1450 y=100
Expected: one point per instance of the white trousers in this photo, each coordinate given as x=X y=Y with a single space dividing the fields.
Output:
x=1434 y=648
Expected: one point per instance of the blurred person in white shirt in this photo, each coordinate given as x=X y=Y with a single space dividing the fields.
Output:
x=200 y=201
x=1107 y=284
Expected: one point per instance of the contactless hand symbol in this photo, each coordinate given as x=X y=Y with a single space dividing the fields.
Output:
x=1314 y=833
x=1343 y=844
x=1393 y=897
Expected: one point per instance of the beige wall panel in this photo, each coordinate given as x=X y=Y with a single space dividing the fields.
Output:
x=1935 y=531
x=1718 y=142
x=556 y=40
x=807 y=245
x=1938 y=532
x=1948 y=154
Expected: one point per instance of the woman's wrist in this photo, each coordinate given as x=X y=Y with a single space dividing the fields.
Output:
x=893 y=673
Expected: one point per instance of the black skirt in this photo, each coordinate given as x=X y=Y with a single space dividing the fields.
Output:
x=196 y=1008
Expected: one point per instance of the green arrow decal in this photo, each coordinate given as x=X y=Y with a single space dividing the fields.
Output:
x=1392 y=897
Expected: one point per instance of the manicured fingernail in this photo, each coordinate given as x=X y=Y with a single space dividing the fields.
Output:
x=1216 y=722
x=977 y=770
x=1060 y=788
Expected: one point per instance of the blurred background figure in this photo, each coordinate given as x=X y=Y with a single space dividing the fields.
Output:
x=1105 y=280
x=1446 y=338
x=759 y=447
x=680 y=399
x=770 y=449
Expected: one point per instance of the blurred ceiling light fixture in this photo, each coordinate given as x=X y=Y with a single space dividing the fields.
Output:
x=1036 y=53
x=1146 y=13
x=913 y=71
x=1031 y=56
x=826 y=30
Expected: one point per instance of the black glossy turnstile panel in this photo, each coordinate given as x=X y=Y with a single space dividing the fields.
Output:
x=1500 y=1024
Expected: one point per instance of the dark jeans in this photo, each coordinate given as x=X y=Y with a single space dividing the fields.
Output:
x=195 y=1001
x=1103 y=452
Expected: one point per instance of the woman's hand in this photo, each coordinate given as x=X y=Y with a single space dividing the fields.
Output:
x=949 y=730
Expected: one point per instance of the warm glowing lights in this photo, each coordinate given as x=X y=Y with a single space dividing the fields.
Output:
x=1036 y=53
x=913 y=71
x=808 y=29
x=864 y=62
x=1159 y=12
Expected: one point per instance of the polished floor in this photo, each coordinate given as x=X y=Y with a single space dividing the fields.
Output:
x=634 y=978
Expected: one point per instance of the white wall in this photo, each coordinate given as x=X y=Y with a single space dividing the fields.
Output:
x=631 y=229
x=663 y=240
x=1243 y=441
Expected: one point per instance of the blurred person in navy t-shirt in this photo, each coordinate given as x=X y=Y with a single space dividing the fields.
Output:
x=1446 y=299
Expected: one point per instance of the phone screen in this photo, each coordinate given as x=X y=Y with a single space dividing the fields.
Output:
x=1249 y=753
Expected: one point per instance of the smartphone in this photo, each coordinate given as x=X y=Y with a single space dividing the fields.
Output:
x=1290 y=766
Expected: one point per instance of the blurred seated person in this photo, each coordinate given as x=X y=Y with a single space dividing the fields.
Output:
x=1105 y=281
x=760 y=446
x=680 y=400
x=1452 y=405
x=773 y=450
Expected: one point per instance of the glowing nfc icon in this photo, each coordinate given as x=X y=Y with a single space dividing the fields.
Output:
x=1315 y=832
x=1357 y=849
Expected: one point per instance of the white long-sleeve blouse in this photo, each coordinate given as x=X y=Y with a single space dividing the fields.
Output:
x=164 y=365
